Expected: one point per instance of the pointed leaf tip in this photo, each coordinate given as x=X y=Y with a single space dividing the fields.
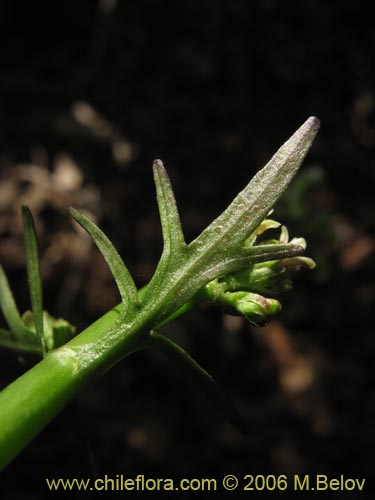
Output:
x=300 y=142
x=252 y=205
x=302 y=139
x=311 y=127
x=313 y=121
x=169 y=216
x=158 y=162
x=158 y=165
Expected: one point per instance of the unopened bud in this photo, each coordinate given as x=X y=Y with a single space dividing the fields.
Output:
x=256 y=308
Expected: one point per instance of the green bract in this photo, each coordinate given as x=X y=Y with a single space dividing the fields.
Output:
x=228 y=263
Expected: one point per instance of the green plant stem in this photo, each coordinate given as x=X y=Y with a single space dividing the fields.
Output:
x=29 y=403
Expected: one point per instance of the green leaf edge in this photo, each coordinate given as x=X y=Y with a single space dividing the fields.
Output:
x=33 y=273
x=8 y=342
x=202 y=378
x=121 y=275
x=10 y=309
x=254 y=202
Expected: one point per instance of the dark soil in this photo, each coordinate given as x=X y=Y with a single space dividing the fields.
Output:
x=92 y=92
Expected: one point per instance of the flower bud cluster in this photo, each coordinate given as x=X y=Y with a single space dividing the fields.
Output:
x=251 y=291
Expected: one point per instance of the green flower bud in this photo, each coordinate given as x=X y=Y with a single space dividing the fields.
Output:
x=248 y=291
x=256 y=308
x=270 y=278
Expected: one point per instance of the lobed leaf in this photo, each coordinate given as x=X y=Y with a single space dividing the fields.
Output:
x=221 y=247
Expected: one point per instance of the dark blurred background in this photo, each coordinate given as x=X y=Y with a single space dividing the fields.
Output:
x=90 y=93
